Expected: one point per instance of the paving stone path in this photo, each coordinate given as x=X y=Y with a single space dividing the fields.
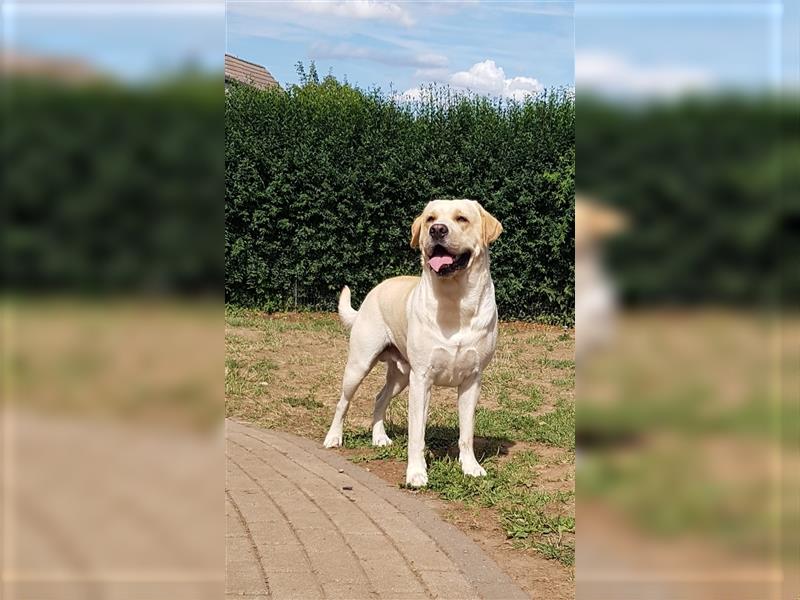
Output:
x=304 y=523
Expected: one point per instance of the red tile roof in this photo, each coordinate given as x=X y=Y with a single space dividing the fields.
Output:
x=246 y=72
x=54 y=68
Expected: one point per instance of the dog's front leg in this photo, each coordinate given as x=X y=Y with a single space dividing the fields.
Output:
x=419 y=393
x=468 y=393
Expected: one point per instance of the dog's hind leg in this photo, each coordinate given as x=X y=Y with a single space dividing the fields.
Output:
x=396 y=382
x=364 y=350
x=354 y=374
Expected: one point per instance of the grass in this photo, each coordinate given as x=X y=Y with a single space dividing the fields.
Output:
x=306 y=401
x=284 y=371
x=115 y=358
x=533 y=519
x=556 y=363
x=681 y=427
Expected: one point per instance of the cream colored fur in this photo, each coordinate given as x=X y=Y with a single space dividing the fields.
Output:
x=436 y=329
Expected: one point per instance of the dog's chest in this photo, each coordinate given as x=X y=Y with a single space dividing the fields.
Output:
x=453 y=362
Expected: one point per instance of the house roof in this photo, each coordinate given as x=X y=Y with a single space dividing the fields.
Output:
x=247 y=72
x=54 y=68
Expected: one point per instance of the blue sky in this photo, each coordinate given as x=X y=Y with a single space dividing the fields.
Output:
x=502 y=48
x=631 y=47
x=510 y=48
x=133 y=39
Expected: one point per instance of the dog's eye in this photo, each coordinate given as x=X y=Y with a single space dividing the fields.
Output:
x=430 y=219
x=462 y=219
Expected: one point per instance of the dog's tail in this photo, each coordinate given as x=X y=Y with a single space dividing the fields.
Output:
x=346 y=312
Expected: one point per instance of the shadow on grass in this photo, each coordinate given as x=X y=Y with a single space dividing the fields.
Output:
x=441 y=442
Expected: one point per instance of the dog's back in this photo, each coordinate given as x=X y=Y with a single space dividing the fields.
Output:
x=386 y=302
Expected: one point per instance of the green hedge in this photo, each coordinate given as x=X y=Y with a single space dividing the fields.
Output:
x=112 y=189
x=710 y=187
x=324 y=180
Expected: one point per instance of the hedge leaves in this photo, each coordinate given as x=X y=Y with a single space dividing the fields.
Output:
x=324 y=180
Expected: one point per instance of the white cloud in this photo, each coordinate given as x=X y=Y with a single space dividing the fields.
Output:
x=612 y=74
x=488 y=78
x=432 y=60
x=483 y=78
x=411 y=95
x=367 y=10
x=421 y=60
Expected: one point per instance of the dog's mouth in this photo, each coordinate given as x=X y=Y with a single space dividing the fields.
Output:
x=443 y=262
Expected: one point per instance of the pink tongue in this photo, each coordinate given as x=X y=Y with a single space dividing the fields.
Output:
x=437 y=262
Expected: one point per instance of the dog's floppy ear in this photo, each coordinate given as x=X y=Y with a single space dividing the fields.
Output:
x=596 y=221
x=416 y=228
x=609 y=222
x=490 y=226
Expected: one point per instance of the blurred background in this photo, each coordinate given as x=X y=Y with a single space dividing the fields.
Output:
x=112 y=331
x=112 y=328
x=687 y=409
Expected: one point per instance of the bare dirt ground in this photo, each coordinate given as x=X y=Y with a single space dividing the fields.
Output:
x=283 y=371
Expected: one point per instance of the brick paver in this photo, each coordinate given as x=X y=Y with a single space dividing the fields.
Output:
x=95 y=508
x=304 y=523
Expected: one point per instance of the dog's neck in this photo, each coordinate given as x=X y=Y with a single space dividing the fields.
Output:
x=467 y=296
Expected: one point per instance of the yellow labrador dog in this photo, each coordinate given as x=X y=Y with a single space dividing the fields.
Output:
x=595 y=297
x=437 y=329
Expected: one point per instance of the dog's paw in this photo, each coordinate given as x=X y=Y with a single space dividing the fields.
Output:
x=333 y=440
x=381 y=440
x=416 y=478
x=473 y=469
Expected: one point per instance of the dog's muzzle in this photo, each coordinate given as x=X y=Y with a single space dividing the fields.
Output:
x=443 y=262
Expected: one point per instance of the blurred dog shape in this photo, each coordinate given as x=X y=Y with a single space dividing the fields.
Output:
x=595 y=296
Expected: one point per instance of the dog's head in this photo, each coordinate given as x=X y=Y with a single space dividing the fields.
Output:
x=452 y=234
x=594 y=224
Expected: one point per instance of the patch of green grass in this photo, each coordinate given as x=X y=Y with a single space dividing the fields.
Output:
x=238 y=317
x=362 y=439
x=567 y=382
x=244 y=379
x=531 y=400
x=536 y=340
x=397 y=451
x=357 y=438
x=446 y=479
x=686 y=409
x=534 y=519
x=308 y=401
x=534 y=399
x=497 y=382
x=736 y=511
x=563 y=552
x=499 y=377
x=248 y=318
x=557 y=363
x=235 y=385
x=530 y=519
x=504 y=423
x=557 y=428
x=262 y=369
x=565 y=337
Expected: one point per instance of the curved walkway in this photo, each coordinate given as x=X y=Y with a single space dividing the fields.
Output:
x=304 y=523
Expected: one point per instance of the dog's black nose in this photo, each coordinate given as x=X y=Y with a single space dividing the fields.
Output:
x=438 y=231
